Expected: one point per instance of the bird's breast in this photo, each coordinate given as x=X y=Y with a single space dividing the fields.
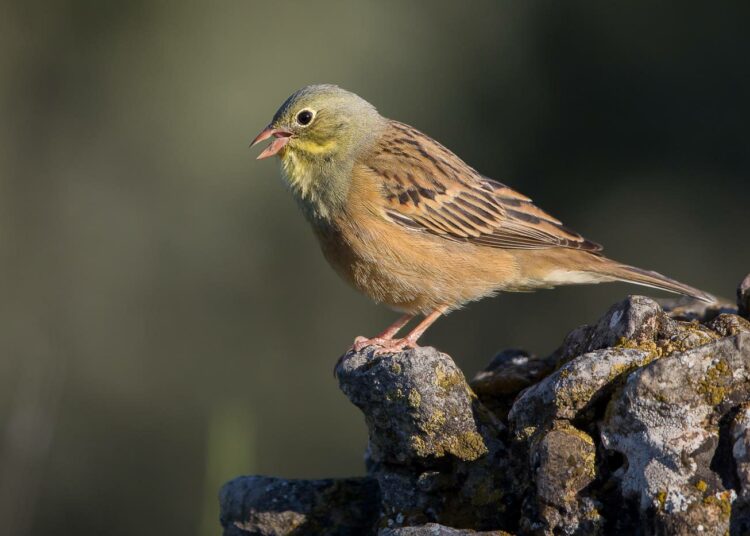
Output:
x=409 y=271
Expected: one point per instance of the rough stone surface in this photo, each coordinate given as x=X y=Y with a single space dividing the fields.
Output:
x=433 y=529
x=638 y=424
x=510 y=372
x=743 y=298
x=265 y=506
x=416 y=404
x=437 y=452
x=666 y=424
x=573 y=387
x=740 y=433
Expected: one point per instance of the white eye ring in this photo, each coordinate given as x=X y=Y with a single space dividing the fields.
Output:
x=304 y=117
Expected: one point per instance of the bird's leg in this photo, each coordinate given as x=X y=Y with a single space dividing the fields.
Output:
x=410 y=341
x=385 y=336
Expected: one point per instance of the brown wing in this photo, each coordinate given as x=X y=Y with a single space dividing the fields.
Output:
x=428 y=188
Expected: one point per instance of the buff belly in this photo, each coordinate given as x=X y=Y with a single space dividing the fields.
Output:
x=419 y=273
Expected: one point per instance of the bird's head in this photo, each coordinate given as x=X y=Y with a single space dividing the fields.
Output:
x=320 y=124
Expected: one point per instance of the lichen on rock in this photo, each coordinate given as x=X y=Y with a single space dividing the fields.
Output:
x=638 y=424
x=416 y=403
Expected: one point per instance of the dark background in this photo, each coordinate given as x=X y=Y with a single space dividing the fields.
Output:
x=166 y=319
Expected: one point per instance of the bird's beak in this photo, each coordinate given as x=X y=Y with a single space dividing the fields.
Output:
x=282 y=138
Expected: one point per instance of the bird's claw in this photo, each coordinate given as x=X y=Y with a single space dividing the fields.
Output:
x=383 y=346
x=395 y=345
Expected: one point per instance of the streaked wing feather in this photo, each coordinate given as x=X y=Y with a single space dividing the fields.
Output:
x=428 y=188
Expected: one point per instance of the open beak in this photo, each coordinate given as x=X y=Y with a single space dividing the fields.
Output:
x=281 y=135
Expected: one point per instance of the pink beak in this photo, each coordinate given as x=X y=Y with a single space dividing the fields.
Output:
x=282 y=138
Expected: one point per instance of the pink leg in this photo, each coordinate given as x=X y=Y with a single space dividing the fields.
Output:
x=410 y=341
x=384 y=337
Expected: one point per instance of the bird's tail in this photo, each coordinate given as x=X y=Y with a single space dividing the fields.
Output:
x=647 y=278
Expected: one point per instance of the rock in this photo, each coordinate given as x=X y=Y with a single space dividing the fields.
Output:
x=728 y=324
x=636 y=318
x=265 y=506
x=429 y=434
x=416 y=403
x=638 y=424
x=574 y=387
x=563 y=465
x=433 y=529
x=508 y=374
x=662 y=424
x=740 y=440
x=743 y=298
x=740 y=432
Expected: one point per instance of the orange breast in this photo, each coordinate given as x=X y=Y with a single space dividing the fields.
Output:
x=409 y=270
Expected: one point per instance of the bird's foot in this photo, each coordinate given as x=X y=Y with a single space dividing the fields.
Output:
x=360 y=343
x=382 y=346
x=395 y=345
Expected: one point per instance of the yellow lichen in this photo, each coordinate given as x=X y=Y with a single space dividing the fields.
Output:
x=593 y=515
x=415 y=399
x=419 y=446
x=661 y=499
x=445 y=379
x=654 y=351
x=692 y=334
x=564 y=426
x=701 y=486
x=468 y=446
x=712 y=385
x=435 y=422
x=723 y=501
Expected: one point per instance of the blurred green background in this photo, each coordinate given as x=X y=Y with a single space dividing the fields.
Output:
x=167 y=321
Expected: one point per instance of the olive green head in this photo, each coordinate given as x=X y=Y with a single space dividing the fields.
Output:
x=319 y=132
x=323 y=123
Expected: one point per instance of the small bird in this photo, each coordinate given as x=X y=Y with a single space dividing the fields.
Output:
x=411 y=225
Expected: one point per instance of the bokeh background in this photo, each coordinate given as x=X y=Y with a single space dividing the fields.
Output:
x=166 y=319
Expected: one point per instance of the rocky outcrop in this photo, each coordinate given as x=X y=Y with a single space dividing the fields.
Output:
x=638 y=424
x=271 y=506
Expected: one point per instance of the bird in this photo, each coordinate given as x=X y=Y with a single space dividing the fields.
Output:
x=408 y=223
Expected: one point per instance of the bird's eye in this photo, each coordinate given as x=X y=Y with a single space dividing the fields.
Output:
x=304 y=117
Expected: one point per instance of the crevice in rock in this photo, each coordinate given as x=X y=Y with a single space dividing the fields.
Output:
x=723 y=463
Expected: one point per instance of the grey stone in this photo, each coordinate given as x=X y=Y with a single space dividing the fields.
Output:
x=662 y=424
x=435 y=450
x=740 y=433
x=416 y=403
x=728 y=324
x=433 y=529
x=572 y=388
x=563 y=464
x=638 y=424
x=266 y=506
x=743 y=297
x=636 y=318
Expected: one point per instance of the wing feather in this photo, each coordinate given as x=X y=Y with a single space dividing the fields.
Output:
x=427 y=188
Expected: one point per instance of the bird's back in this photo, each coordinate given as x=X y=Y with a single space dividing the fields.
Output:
x=428 y=188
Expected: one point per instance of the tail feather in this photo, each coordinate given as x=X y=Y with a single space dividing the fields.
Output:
x=647 y=278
